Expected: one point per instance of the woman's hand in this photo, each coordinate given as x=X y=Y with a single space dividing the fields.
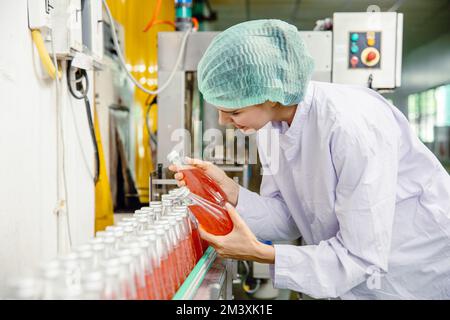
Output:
x=228 y=185
x=240 y=243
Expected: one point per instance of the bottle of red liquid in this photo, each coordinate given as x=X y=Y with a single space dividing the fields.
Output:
x=208 y=199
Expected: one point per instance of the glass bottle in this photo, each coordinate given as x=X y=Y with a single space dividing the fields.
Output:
x=208 y=199
x=211 y=216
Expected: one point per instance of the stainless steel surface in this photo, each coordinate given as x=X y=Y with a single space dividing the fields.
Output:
x=171 y=114
x=261 y=270
x=318 y=43
x=246 y=176
x=169 y=44
x=231 y=168
x=231 y=267
x=177 y=125
x=165 y=181
x=217 y=283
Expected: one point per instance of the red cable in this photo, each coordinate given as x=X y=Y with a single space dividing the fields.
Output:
x=155 y=14
x=195 y=22
x=164 y=22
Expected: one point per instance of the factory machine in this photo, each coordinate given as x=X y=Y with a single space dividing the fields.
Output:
x=361 y=49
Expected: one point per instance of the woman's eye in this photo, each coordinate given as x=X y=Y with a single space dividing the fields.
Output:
x=235 y=113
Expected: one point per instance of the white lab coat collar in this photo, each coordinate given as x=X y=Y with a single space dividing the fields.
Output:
x=290 y=135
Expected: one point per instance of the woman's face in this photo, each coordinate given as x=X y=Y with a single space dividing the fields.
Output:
x=249 y=119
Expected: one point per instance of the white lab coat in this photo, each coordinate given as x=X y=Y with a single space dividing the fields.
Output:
x=369 y=199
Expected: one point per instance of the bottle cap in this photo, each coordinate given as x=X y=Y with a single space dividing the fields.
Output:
x=174 y=157
x=183 y=192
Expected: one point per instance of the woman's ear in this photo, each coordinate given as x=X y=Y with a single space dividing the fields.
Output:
x=270 y=104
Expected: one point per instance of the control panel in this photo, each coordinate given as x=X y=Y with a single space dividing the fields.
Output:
x=367 y=49
x=364 y=49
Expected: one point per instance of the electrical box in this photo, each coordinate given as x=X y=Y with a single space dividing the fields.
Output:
x=67 y=27
x=39 y=14
x=92 y=28
x=76 y=26
x=63 y=19
x=367 y=49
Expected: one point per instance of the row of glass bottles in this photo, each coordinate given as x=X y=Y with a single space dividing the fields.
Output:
x=145 y=256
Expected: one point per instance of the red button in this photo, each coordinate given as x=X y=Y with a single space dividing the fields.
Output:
x=371 y=56
x=354 y=61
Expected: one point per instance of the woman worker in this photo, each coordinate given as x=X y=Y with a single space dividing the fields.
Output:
x=368 y=198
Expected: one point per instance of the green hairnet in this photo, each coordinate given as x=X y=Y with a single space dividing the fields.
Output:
x=253 y=62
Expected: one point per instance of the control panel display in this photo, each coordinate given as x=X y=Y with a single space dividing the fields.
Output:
x=364 y=50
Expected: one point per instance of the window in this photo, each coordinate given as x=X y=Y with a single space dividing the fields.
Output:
x=428 y=109
x=443 y=105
